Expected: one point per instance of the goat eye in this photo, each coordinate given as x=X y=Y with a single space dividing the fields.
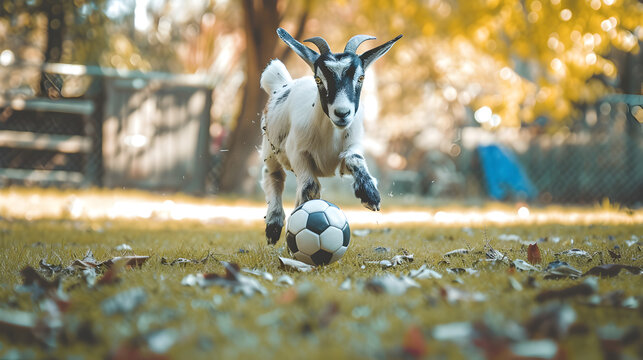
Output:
x=318 y=80
x=361 y=78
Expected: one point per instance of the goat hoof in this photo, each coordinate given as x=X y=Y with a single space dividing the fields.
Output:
x=273 y=232
x=372 y=207
x=369 y=196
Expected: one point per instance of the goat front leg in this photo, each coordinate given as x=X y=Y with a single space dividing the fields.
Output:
x=308 y=187
x=273 y=186
x=365 y=186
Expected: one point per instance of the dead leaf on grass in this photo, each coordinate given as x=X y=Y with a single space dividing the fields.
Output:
x=123 y=247
x=124 y=302
x=611 y=270
x=125 y=261
x=454 y=295
x=575 y=252
x=391 y=284
x=381 y=249
x=533 y=254
x=293 y=264
x=285 y=280
x=552 y=321
x=50 y=269
x=616 y=299
x=425 y=273
x=232 y=279
x=560 y=269
x=456 y=252
x=469 y=271
x=535 y=349
x=262 y=274
x=395 y=261
x=586 y=288
x=614 y=339
x=522 y=265
x=457 y=332
x=614 y=255
x=184 y=261
x=413 y=343
x=345 y=285
x=495 y=255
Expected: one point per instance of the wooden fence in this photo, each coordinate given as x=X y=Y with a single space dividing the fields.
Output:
x=142 y=130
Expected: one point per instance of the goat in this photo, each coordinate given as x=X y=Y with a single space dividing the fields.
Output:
x=314 y=125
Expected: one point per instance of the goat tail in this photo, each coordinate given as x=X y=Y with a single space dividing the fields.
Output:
x=274 y=76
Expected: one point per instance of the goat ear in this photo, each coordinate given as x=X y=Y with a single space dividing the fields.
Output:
x=304 y=52
x=373 y=54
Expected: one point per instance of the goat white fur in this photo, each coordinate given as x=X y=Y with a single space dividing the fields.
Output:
x=299 y=135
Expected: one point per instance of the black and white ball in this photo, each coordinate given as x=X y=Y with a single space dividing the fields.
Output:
x=317 y=233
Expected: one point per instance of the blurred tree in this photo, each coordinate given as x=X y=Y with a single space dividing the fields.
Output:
x=564 y=48
x=261 y=19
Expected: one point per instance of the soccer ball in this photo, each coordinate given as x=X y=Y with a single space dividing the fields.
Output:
x=317 y=233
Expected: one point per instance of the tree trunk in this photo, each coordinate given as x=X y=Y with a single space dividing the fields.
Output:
x=261 y=21
x=51 y=84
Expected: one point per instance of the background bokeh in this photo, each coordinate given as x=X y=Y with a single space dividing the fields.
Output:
x=532 y=100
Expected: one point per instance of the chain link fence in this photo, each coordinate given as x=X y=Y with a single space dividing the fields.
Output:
x=62 y=142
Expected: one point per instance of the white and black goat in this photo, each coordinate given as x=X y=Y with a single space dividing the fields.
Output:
x=314 y=125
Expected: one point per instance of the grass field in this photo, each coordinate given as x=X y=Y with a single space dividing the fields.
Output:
x=477 y=309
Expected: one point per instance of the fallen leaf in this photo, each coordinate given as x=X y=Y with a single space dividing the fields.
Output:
x=575 y=252
x=457 y=331
x=124 y=302
x=454 y=295
x=328 y=314
x=469 y=271
x=586 y=288
x=263 y=274
x=425 y=273
x=614 y=255
x=293 y=264
x=559 y=269
x=162 y=340
x=551 y=321
x=533 y=254
x=123 y=247
x=395 y=261
x=414 y=343
x=50 y=269
x=391 y=284
x=287 y=296
x=456 y=252
x=614 y=339
x=126 y=261
x=285 y=280
x=184 y=261
x=12 y=320
x=522 y=265
x=535 y=349
x=381 y=249
x=515 y=284
x=610 y=270
x=345 y=285
x=494 y=255
x=232 y=279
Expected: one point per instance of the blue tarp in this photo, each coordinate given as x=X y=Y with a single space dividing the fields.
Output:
x=504 y=176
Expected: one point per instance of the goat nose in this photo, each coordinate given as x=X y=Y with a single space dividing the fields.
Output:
x=342 y=112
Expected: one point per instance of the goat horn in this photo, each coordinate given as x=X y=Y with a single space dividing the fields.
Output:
x=356 y=41
x=321 y=44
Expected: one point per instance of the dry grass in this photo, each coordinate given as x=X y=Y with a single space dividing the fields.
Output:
x=313 y=318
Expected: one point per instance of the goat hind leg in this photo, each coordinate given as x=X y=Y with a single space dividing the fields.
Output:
x=273 y=186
